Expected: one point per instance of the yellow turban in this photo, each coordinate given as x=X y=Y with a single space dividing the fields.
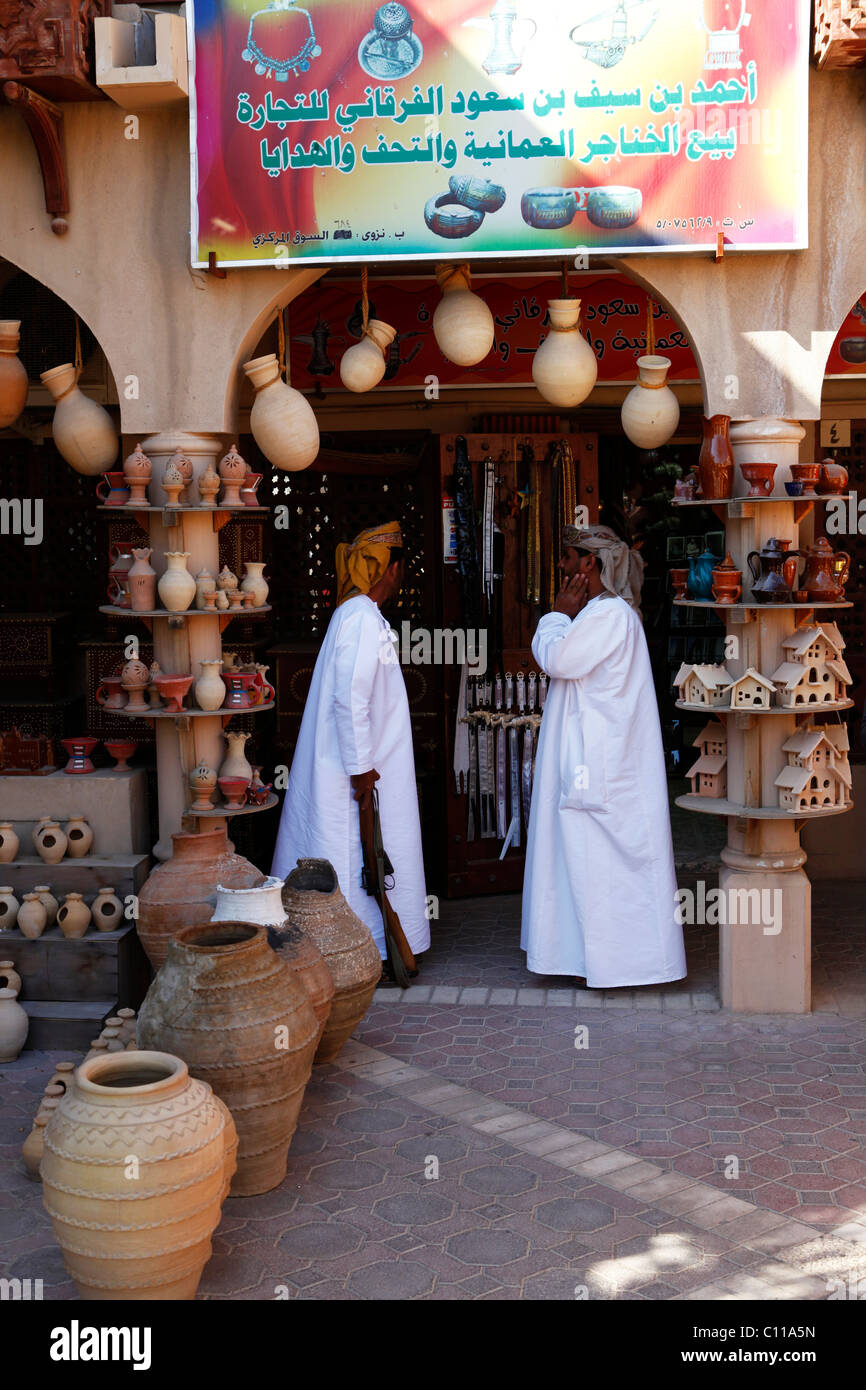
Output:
x=362 y=562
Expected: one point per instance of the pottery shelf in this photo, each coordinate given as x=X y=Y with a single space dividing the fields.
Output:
x=719 y=806
x=801 y=711
x=125 y=873
x=756 y=607
x=170 y=517
x=221 y=713
x=224 y=812
x=720 y=505
x=178 y=619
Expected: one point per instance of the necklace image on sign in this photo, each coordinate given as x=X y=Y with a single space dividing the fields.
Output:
x=284 y=41
x=390 y=50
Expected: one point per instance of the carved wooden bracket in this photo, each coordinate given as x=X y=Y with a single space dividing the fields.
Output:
x=840 y=33
x=44 y=120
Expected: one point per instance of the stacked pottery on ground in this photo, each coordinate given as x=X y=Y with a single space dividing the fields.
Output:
x=313 y=902
x=182 y=891
x=244 y=1023
x=148 y=1239
x=263 y=907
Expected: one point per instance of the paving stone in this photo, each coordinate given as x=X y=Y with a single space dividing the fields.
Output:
x=445 y=994
x=473 y=996
x=575 y=1214
x=563 y=998
x=398 y=1279
x=320 y=1240
x=499 y=1181
x=502 y=996
x=486 y=1247
x=410 y=1210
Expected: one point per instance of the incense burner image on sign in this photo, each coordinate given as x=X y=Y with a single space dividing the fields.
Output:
x=390 y=50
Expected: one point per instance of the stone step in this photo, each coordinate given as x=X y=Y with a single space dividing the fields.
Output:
x=66 y=1026
x=125 y=873
x=98 y=965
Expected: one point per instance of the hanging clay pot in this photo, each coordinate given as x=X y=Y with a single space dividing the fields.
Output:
x=244 y=1023
x=73 y=919
x=13 y=374
x=51 y=843
x=79 y=837
x=232 y=470
x=9 y=909
x=83 y=432
x=9 y=977
x=564 y=368
x=148 y=1239
x=48 y=901
x=202 y=784
x=32 y=917
x=210 y=690
x=182 y=890
x=137 y=471
x=264 y=907
x=281 y=420
x=15 y=1025
x=9 y=842
x=716 y=459
x=651 y=411
x=142 y=582
x=254 y=582
x=235 y=763
x=176 y=587
x=462 y=323
x=362 y=366
x=32 y=1148
x=106 y=910
x=313 y=902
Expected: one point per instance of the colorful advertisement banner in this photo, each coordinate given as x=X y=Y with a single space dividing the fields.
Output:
x=455 y=128
x=848 y=353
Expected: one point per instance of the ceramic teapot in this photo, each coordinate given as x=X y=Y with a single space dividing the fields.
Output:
x=826 y=572
x=701 y=575
x=771 y=583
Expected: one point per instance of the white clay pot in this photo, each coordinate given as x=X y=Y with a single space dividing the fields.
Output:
x=176 y=587
x=262 y=905
x=235 y=764
x=32 y=917
x=281 y=420
x=651 y=411
x=564 y=368
x=210 y=689
x=362 y=366
x=79 y=837
x=106 y=910
x=254 y=581
x=14 y=1026
x=13 y=373
x=9 y=908
x=48 y=900
x=83 y=432
x=462 y=323
x=9 y=842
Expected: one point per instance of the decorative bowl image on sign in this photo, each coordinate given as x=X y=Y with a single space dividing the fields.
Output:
x=349 y=131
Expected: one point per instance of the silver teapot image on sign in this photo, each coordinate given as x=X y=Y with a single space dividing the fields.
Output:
x=390 y=50
x=502 y=23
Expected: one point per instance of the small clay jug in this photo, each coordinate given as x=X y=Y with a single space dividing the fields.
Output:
x=9 y=909
x=9 y=977
x=79 y=837
x=826 y=572
x=106 y=910
x=142 y=582
x=33 y=1147
x=51 y=843
x=9 y=842
x=73 y=918
x=48 y=901
x=716 y=459
x=32 y=917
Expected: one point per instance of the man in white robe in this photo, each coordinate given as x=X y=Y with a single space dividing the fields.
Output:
x=356 y=733
x=599 y=894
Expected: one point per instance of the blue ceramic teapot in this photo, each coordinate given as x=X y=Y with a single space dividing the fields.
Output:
x=701 y=575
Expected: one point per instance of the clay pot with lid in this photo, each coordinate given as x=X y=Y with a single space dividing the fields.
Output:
x=232 y=470
x=243 y=1021
x=13 y=373
x=182 y=891
x=148 y=1239
x=263 y=906
x=313 y=902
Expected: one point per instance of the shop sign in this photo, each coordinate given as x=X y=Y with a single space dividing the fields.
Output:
x=848 y=353
x=455 y=128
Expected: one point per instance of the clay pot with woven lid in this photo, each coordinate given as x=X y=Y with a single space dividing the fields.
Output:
x=263 y=906
x=151 y=1238
x=182 y=891
x=313 y=902
x=227 y=1003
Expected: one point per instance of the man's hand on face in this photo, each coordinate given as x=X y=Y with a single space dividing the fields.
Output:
x=572 y=596
x=363 y=783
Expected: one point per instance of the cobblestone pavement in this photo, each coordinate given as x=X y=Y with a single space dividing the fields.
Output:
x=462 y=1146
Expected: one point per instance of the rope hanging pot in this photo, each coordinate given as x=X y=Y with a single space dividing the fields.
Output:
x=462 y=323
x=363 y=365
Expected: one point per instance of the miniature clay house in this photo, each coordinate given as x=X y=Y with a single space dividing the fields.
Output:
x=818 y=774
x=751 y=690
x=703 y=685
x=709 y=776
x=814 y=673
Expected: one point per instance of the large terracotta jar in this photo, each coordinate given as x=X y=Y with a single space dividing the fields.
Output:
x=716 y=459
x=462 y=322
x=13 y=373
x=235 y=1011
x=263 y=906
x=313 y=902
x=147 y=1238
x=83 y=432
x=182 y=890
x=564 y=368
x=282 y=420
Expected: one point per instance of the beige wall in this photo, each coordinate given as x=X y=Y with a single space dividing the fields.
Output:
x=767 y=319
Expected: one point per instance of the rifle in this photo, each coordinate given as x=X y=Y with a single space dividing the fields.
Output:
x=376 y=865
